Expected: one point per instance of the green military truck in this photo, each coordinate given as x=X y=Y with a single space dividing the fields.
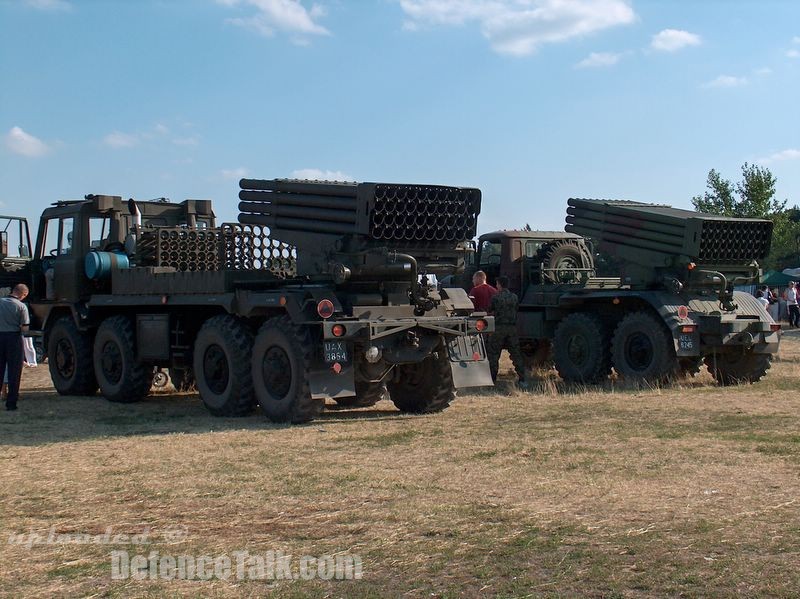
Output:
x=320 y=291
x=672 y=308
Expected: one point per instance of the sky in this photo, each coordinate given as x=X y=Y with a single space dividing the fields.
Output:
x=532 y=101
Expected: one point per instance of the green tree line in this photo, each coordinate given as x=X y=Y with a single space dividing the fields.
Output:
x=754 y=197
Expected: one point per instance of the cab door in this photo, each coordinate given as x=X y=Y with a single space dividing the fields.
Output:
x=61 y=267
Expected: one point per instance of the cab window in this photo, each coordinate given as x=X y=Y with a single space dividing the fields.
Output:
x=57 y=237
x=532 y=248
x=98 y=231
x=490 y=253
x=65 y=248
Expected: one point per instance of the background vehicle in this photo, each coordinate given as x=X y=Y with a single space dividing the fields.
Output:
x=672 y=308
x=331 y=302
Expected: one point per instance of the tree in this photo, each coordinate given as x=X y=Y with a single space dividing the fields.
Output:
x=754 y=197
x=756 y=194
x=718 y=199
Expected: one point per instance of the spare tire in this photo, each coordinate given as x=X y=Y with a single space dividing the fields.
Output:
x=564 y=261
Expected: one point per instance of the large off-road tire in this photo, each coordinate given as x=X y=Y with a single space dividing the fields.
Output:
x=221 y=364
x=580 y=349
x=563 y=260
x=281 y=360
x=122 y=378
x=738 y=367
x=425 y=387
x=69 y=358
x=642 y=349
x=367 y=394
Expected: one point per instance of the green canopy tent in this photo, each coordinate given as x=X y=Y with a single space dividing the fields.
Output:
x=773 y=278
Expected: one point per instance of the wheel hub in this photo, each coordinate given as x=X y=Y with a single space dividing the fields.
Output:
x=65 y=358
x=215 y=369
x=578 y=349
x=111 y=362
x=277 y=372
x=639 y=351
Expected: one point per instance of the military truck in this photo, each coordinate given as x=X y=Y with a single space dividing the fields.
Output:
x=320 y=291
x=671 y=308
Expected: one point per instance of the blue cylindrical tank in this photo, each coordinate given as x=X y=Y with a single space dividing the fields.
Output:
x=98 y=265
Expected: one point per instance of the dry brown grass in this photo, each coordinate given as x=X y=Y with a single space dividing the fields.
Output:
x=689 y=490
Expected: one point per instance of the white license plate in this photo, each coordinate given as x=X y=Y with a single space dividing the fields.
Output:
x=685 y=342
x=335 y=351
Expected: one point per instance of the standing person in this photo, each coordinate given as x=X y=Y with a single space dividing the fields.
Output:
x=14 y=320
x=504 y=306
x=762 y=300
x=792 y=306
x=481 y=292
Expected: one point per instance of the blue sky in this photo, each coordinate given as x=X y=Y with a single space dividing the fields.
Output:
x=533 y=101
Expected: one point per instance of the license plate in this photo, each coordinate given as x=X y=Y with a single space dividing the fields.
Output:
x=685 y=342
x=335 y=351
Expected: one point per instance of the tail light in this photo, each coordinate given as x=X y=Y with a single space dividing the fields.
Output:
x=480 y=325
x=338 y=330
x=774 y=327
x=688 y=328
x=325 y=308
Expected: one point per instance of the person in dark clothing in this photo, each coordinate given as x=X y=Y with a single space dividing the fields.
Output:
x=14 y=320
x=504 y=306
x=481 y=292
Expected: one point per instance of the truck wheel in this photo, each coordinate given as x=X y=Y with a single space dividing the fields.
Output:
x=122 y=378
x=642 y=349
x=561 y=260
x=282 y=355
x=580 y=349
x=738 y=367
x=69 y=358
x=222 y=366
x=367 y=394
x=425 y=387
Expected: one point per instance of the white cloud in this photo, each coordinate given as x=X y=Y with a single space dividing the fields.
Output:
x=599 y=59
x=25 y=144
x=520 y=27
x=51 y=5
x=763 y=71
x=118 y=139
x=321 y=175
x=783 y=155
x=727 y=81
x=289 y=16
x=234 y=173
x=672 y=40
x=793 y=53
x=796 y=39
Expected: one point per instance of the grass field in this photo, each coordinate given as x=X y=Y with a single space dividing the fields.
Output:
x=690 y=490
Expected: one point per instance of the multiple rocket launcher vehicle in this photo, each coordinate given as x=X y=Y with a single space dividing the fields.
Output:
x=321 y=291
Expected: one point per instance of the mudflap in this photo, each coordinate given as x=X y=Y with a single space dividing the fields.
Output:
x=467 y=370
x=324 y=382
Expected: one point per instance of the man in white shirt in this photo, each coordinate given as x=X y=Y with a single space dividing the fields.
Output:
x=791 y=304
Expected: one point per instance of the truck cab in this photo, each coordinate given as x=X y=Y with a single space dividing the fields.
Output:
x=70 y=229
x=532 y=257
